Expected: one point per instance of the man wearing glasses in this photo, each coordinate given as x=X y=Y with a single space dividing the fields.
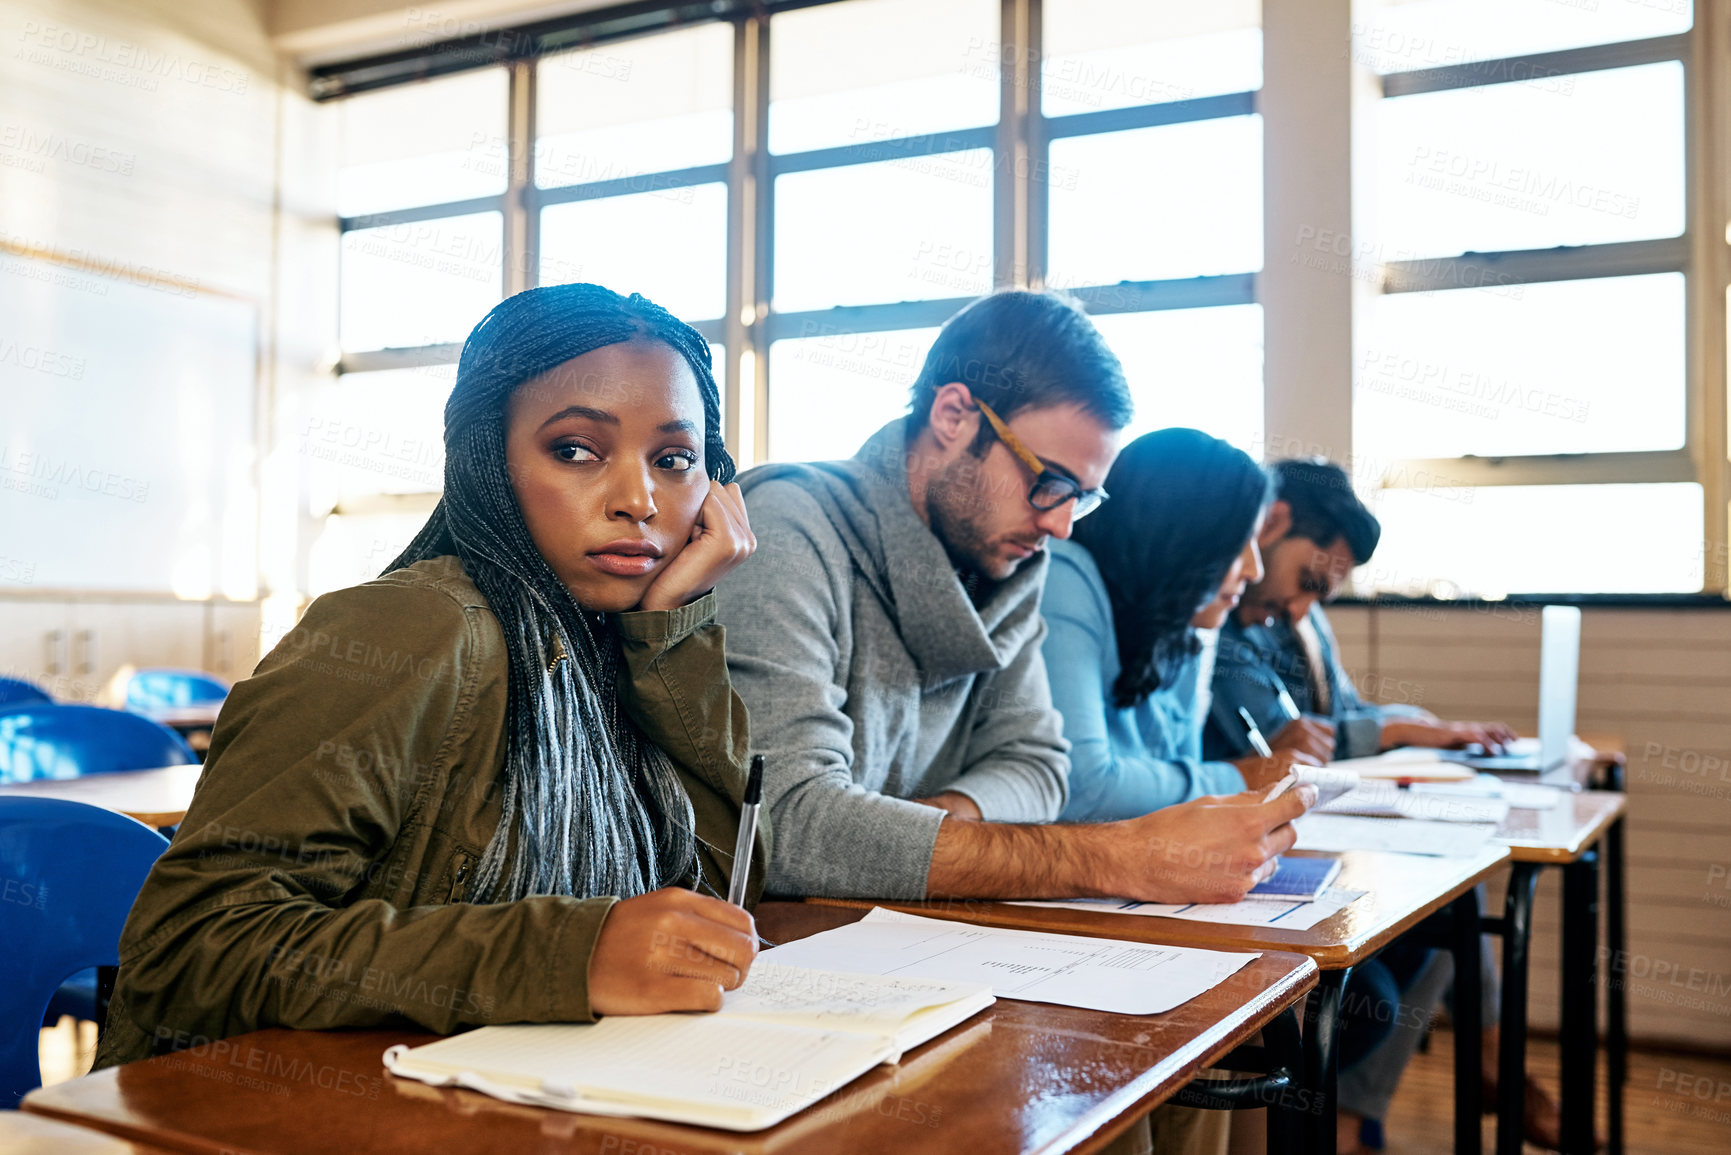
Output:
x=886 y=639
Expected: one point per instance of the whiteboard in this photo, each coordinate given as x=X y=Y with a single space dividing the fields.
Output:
x=127 y=442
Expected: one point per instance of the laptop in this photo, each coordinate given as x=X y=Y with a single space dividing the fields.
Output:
x=1559 y=676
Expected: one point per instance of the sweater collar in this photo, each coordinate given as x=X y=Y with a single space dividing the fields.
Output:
x=947 y=634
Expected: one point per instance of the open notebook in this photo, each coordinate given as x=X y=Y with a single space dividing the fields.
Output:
x=785 y=1039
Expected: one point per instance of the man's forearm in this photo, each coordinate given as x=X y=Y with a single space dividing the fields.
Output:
x=999 y=860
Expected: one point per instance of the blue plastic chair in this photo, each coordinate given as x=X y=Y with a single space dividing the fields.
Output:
x=68 y=876
x=16 y=691
x=152 y=690
x=66 y=740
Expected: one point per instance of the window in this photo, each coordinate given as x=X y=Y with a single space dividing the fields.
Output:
x=1155 y=204
x=817 y=191
x=1104 y=54
x=1152 y=190
x=1523 y=379
x=850 y=73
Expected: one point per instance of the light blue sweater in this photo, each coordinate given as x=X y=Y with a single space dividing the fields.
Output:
x=1123 y=762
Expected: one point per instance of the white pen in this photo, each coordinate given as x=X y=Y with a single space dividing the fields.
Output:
x=742 y=845
x=1257 y=741
x=1287 y=705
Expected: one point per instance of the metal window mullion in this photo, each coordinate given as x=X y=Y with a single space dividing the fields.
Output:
x=522 y=217
x=1150 y=115
x=735 y=327
x=749 y=251
x=877 y=151
x=1527 y=266
x=646 y=182
x=1124 y=297
x=1537 y=67
x=844 y=319
x=417 y=357
x=763 y=238
x=1018 y=69
x=418 y=213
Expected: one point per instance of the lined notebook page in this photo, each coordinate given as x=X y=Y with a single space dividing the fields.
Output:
x=880 y=1004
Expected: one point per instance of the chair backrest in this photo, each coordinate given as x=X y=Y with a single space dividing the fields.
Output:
x=165 y=689
x=69 y=873
x=67 y=740
x=16 y=690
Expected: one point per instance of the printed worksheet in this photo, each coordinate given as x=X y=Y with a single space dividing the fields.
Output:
x=1076 y=971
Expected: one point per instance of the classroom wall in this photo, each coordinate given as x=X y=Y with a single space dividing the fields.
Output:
x=156 y=157
x=1659 y=678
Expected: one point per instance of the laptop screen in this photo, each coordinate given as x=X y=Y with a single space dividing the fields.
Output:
x=1559 y=673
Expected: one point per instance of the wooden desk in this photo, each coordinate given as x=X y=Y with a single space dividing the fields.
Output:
x=155 y=797
x=1563 y=833
x=1403 y=891
x=1017 y=1077
x=1565 y=836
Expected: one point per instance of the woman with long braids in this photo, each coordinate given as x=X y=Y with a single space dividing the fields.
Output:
x=501 y=782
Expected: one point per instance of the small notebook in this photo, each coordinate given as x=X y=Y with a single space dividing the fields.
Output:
x=1297 y=878
x=785 y=1039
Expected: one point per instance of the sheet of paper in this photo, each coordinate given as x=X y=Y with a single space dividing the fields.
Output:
x=1381 y=798
x=1251 y=912
x=1340 y=832
x=1072 y=970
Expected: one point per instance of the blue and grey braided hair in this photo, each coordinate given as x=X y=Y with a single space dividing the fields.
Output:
x=590 y=806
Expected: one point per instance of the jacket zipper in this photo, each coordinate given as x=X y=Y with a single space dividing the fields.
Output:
x=461 y=873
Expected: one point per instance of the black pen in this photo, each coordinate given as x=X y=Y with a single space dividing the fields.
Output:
x=742 y=845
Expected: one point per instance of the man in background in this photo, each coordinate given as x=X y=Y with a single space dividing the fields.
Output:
x=1316 y=531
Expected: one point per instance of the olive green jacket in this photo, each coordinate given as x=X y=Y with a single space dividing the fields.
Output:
x=351 y=785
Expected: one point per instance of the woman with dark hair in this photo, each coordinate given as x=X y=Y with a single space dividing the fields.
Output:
x=1167 y=556
x=501 y=782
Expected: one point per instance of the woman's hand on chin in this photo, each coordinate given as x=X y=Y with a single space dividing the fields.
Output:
x=721 y=539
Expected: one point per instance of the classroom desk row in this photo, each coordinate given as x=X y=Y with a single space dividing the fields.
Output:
x=1036 y=1077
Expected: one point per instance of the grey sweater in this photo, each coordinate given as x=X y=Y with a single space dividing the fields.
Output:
x=872 y=678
